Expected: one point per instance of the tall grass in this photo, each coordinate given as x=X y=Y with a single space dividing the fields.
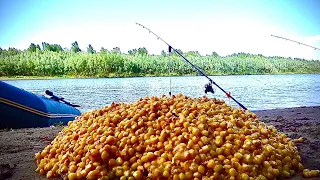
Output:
x=108 y=64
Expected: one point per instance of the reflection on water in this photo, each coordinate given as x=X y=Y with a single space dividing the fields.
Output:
x=253 y=91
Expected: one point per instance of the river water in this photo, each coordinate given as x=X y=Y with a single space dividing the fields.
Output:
x=256 y=92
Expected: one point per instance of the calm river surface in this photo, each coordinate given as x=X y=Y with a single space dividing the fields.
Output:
x=256 y=92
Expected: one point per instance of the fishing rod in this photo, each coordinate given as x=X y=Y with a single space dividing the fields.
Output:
x=315 y=48
x=199 y=70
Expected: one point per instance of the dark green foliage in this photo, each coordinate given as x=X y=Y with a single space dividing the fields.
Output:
x=103 y=50
x=51 y=47
x=163 y=53
x=56 y=48
x=143 y=51
x=214 y=54
x=133 y=52
x=75 y=47
x=34 y=48
x=193 y=53
x=11 y=51
x=116 y=50
x=175 y=53
x=90 y=49
x=140 y=51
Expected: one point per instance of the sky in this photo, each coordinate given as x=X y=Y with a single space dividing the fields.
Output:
x=223 y=26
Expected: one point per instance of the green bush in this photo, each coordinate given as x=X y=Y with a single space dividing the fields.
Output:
x=107 y=64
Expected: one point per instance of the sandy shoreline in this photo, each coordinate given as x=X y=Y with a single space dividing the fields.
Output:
x=17 y=147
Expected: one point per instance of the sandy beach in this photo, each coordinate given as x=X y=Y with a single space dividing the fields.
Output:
x=17 y=147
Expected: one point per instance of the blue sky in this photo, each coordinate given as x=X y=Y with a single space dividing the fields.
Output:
x=205 y=25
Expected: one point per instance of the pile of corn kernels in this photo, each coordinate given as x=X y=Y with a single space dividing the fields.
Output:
x=175 y=137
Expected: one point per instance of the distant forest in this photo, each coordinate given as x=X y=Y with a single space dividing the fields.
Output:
x=51 y=60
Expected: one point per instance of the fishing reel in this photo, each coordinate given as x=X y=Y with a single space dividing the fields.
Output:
x=208 y=88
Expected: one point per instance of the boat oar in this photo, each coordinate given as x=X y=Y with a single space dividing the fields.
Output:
x=56 y=98
x=194 y=66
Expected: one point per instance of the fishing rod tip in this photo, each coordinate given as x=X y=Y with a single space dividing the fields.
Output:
x=138 y=24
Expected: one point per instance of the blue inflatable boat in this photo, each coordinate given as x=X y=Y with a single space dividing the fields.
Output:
x=22 y=109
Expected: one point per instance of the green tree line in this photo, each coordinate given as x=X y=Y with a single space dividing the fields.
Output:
x=53 y=60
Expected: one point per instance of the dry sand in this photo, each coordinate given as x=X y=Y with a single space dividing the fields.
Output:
x=17 y=147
